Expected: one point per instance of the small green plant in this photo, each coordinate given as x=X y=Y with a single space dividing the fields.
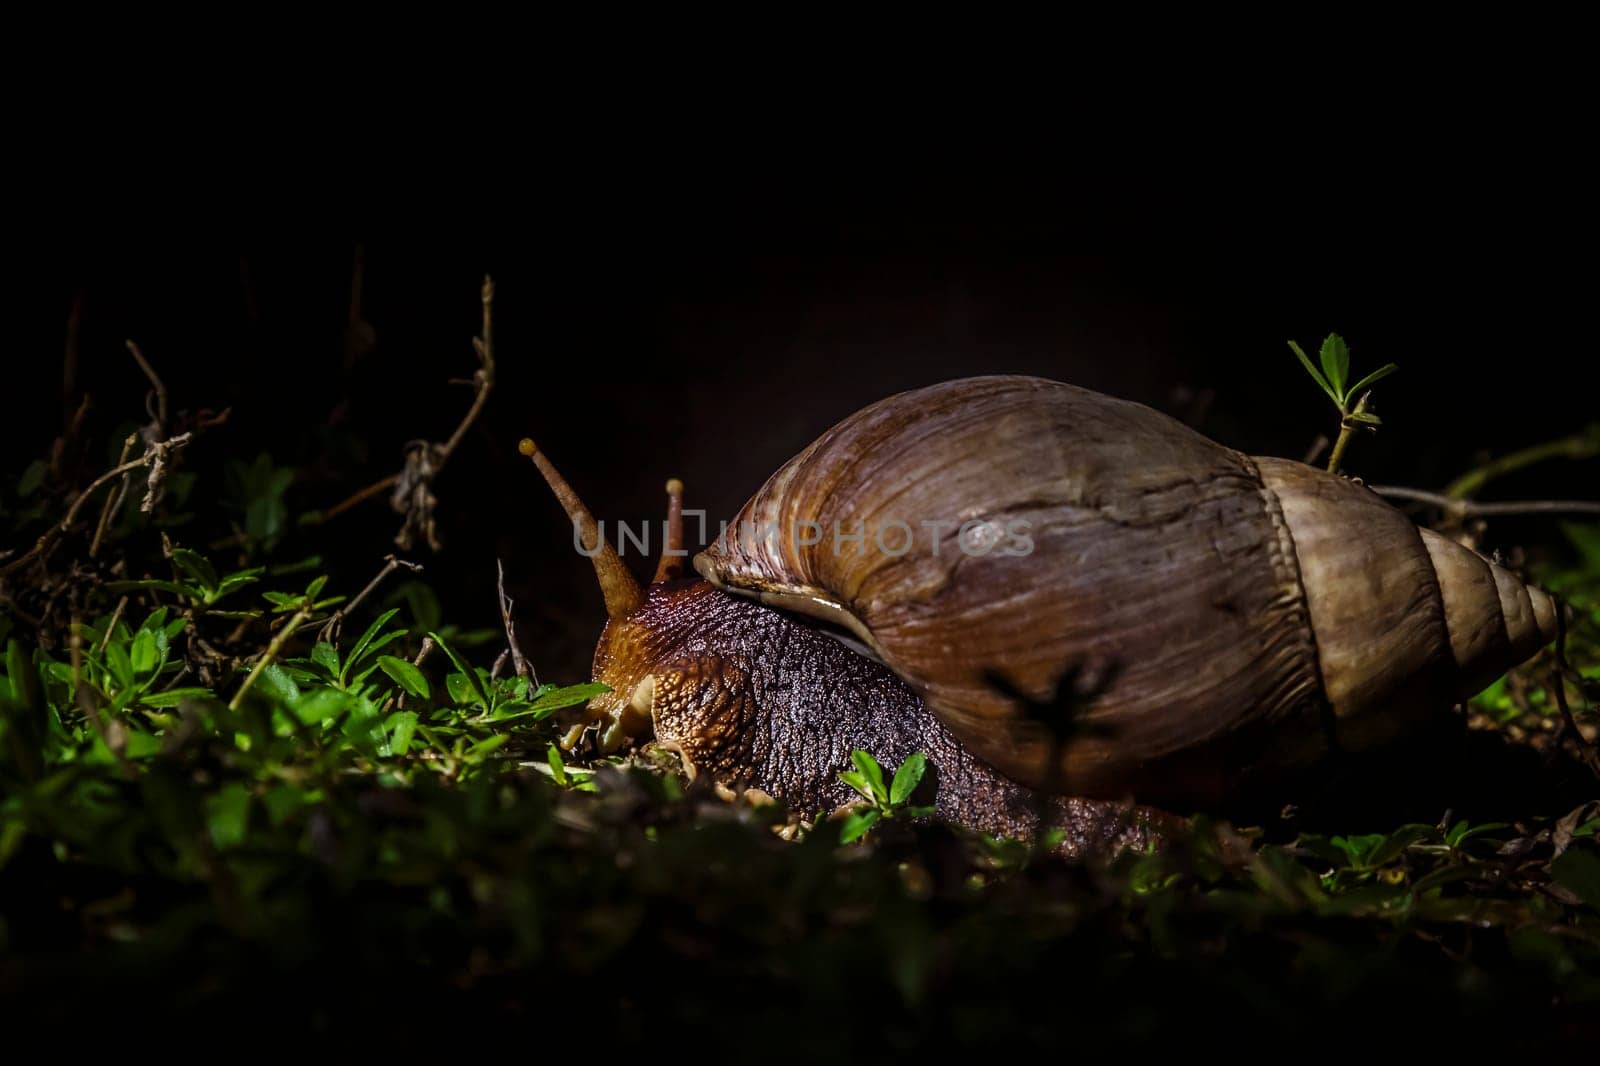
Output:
x=255 y=494
x=883 y=801
x=1333 y=378
x=195 y=579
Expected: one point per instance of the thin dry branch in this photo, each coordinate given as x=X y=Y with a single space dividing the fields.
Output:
x=377 y=488
x=413 y=492
x=113 y=498
x=507 y=605
x=157 y=453
x=483 y=379
x=1461 y=508
x=330 y=629
x=160 y=413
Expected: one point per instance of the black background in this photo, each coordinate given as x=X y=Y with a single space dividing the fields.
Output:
x=697 y=309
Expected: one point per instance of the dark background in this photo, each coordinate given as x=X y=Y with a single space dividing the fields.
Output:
x=705 y=317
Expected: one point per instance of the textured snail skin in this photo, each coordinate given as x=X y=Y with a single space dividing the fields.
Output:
x=754 y=697
x=1251 y=614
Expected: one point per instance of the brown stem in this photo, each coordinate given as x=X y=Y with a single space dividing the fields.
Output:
x=376 y=488
x=483 y=380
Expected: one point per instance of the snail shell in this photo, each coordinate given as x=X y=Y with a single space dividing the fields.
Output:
x=1239 y=614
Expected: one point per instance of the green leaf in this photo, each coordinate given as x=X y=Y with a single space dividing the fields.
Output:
x=228 y=814
x=365 y=728
x=405 y=675
x=324 y=656
x=402 y=726
x=196 y=566
x=264 y=518
x=143 y=657
x=856 y=825
x=1316 y=375
x=279 y=685
x=1335 y=358
x=322 y=705
x=119 y=664
x=462 y=694
x=907 y=778
x=1356 y=849
x=1461 y=832
x=140 y=745
x=551 y=700
x=869 y=769
x=857 y=782
x=558 y=766
x=1578 y=869
x=31 y=478
x=174 y=696
x=467 y=671
x=1396 y=843
x=281 y=601
x=1372 y=379
x=366 y=638
x=484 y=748
x=148 y=585
x=314 y=589
x=238 y=580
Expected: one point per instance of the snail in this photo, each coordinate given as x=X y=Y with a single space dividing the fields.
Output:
x=1065 y=599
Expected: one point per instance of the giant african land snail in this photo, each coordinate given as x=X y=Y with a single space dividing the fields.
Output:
x=1244 y=616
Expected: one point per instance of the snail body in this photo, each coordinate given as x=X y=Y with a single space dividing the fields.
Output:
x=756 y=698
x=1094 y=599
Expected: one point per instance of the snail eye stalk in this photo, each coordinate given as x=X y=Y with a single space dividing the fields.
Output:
x=672 y=554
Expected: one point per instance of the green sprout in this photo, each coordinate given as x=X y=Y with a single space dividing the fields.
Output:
x=882 y=801
x=1335 y=373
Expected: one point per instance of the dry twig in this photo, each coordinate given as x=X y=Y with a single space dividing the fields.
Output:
x=330 y=629
x=1461 y=508
x=159 y=415
x=412 y=487
x=157 y=454
x=507 y=605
